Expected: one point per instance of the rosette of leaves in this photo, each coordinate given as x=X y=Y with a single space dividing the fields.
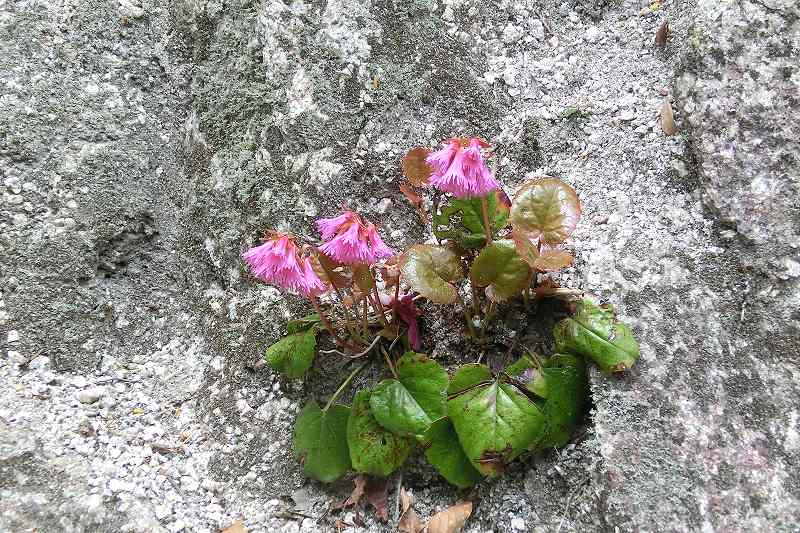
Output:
x=495 y=418
x=462 y=220
x=594 y=332
x=430 y=270
x=561 y=382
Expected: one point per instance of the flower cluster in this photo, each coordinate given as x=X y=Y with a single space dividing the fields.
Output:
x=278 y=261
x=459 y=168
x=352 y=240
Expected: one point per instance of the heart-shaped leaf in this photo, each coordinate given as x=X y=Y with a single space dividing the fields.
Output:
x=468 y=376
x=429 y=270
x=415 y=169
x=320 y=441
x=495 y=422
x=547 y=209
x=444 y=452
x=462 y=220
x=407 y=405
x=373 y=449
x=527 y=373
x=595 y=333
x=293 y=355
x=499 y=266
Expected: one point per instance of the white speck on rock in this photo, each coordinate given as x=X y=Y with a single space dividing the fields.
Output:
x=592 y=34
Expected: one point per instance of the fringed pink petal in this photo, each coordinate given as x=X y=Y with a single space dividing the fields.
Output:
x=379 y=248
x=312 y=285
x=330 y=226
x=440 y=160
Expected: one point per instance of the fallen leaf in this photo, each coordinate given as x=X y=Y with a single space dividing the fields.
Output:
x=358 y=491
x=451 y=520
x=662 y=34
x=668 y=119
x=378 y=497
x=236 y=527
x=375 y=491
x=409 y=521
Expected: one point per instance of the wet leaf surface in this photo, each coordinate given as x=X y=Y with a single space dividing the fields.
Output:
x=320 y=441
x=546 y=209
x=429 y=270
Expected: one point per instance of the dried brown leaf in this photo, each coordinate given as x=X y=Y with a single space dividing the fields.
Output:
x=236 y=527
x=662 y=33
x=552 y=259
x=378 y=497
x=358 y=491
x=415 y=169
x=451 y=520
x=668 y=118
x=409 y=521
x=415 y=200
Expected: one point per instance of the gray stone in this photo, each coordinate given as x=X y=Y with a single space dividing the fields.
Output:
x=146 y=144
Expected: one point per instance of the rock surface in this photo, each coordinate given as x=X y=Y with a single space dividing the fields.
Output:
x=144 y=145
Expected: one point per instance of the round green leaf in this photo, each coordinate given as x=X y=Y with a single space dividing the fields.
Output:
x=373 y=449
x=426 y=380
x=293 y=355
x=468 y=376
x=396 y=409
x=320 y=441
x=500 y=267
x=445 y=454
x=462 y=220
x=495 y=422
x=595 y=333
x=429 y=269
x=546 y=209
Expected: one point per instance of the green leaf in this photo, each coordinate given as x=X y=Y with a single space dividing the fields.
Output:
x=462 y=220
x=446 y=455
x=395 y=409
x=595 y=333
x=426 y=380
x=495 y=422
x=468 y=376
x=302 y=324
x=527 y=373
x=429 y=269
x=546 y=209
x=500 y=267
x=320 y=441
x=409 y=404
x=292 y=355
x=373 y=449
x=565 y=407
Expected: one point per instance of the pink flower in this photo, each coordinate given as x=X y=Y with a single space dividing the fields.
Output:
x=459 y=169
x=352 y=240
x=278 y=261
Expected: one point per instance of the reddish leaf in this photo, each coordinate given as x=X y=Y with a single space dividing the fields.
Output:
x=551 y=259
x=415 y=169
x=408 y=312
x=526 y=249
x=415 y=200
x=378 y=497
x=358 y=491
